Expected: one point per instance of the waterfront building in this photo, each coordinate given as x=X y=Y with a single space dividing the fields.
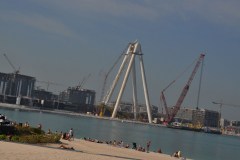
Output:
x=224 y=123
x=206 y=118
x=199 y=117
x=13 y=85
x=42 y=94
x=77 y=99
x=235 y=123
x=184 y=115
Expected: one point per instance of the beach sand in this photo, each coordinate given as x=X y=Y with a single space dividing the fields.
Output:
x=84 y=150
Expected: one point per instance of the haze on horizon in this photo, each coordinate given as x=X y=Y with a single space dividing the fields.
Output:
x=65 y=41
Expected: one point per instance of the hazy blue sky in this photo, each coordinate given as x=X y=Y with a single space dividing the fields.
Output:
x=64 y=41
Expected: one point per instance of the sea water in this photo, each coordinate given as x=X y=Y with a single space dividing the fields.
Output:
x=193 y=145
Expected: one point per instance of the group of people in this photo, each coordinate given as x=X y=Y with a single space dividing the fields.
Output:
x=26 y=124
x=140 y=148
x=177 y=154
x=121 y=144
x=68 y=136
x=2 y=117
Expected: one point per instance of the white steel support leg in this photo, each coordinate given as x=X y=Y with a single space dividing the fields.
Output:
x=109 y=93
x=123 y=86
x=135 y=102
x=145 y=89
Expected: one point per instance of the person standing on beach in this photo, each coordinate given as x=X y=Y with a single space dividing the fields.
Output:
x=71 y=134
x=148 y=145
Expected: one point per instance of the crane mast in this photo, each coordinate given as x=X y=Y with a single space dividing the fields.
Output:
x=183 y=94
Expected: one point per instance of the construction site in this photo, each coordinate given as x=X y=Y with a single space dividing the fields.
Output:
x=16 y=88
x=19 y=89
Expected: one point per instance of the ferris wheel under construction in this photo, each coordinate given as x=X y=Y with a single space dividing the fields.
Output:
x=133 y=50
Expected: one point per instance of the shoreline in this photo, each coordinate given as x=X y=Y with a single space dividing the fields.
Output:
x=65 y=112
x=82 y=149
x=70 y=113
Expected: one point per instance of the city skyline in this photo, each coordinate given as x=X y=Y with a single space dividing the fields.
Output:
x=66 y=41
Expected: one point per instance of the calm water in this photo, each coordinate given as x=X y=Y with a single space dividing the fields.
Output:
x=194 y=145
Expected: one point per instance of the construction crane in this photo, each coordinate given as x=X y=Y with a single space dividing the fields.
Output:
x=183 y=94
x=13 y=77
x=48 y=83
x=10 y=63
x=80 y=85
x=225 y=104
x=102 y=98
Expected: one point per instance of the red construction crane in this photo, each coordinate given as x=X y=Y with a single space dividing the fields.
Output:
x=183 y=94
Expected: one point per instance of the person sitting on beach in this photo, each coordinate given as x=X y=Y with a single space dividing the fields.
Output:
x=134 y=145
x=98 y=141
x=174 y=154
x=177 y=154
x=26 y=124
x=114 y=143
x=64 y=135
x=39 y=126
x=49 y=131
x=121 y=143
x=140 y=148
x=65 y=147
x=159 y=150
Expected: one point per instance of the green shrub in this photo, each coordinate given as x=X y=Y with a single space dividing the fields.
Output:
x=3 y=137
x=50 y=138
x=27 y=135
x=15 y=138
x=33 y=139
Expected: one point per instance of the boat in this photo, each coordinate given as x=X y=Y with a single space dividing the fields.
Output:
x=185 y=126
x=175 y=125
x=212 y=130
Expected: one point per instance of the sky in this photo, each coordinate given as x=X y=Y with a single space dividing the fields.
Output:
x=67 y=41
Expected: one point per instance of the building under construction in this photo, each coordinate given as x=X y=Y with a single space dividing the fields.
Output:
x=13 y=85
x=206 y=117
x=78 y=99
x=201 y=117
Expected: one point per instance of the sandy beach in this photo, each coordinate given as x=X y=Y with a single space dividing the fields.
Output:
x=83 y=150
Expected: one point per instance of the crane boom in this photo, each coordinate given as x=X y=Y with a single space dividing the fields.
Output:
x=48 y=83
x=15 y=70
x=102 y=98
x=163 y=99
x=80 y=85
x=107 y=74
x=185 y=90
x=226 y=104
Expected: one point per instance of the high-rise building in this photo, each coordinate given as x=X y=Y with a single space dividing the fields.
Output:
x=13 y=85
x=185 y=115
x=78 y=99
x=206 y=118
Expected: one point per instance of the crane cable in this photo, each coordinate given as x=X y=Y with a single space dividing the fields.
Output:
x=110 y=70
x=180 y=75
x=172 y=82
